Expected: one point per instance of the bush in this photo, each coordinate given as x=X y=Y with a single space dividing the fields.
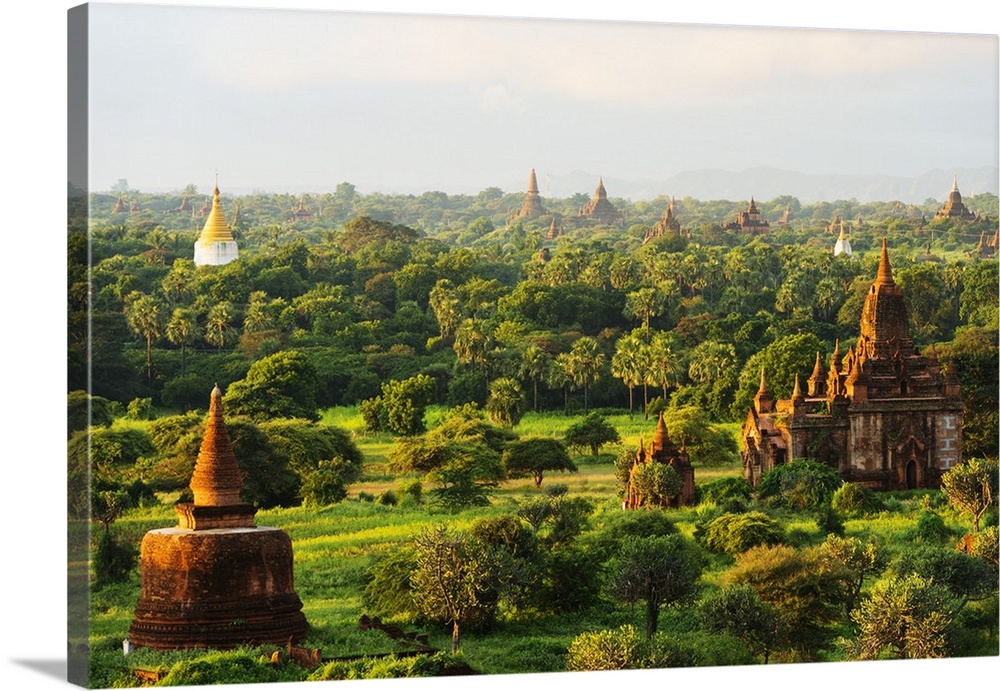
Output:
x=366 y=496
x=726 y=489
x=80 y=405
x=411 y=490
x=620 y=525
x=387 y=591
x=468 y=387
x=113 y=560
x=324 y=484
x=855 y=500
x=572 y=580
x=801 y=485
x=388 y=498
x=186 y=392
x=732 y=533
x=600 y=650
x=233 y=667
x=931 y=529
x=829 y=521
x=140 y=409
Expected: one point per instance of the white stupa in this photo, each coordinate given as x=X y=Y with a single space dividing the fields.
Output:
x=215 y=245
x=843 y=245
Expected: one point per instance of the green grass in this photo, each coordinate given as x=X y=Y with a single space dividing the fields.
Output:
x=334 y=545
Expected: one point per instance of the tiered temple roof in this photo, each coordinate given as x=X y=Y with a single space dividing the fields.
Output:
x=954 y=207
x=750 y=222
x=599 y=208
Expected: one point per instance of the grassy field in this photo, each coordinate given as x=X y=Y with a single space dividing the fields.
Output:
x=334 y=545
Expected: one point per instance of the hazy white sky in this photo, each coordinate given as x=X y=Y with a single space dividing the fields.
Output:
x=303 y=100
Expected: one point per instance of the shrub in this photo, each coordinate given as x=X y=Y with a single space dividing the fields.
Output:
x=726 y=489
x=931 y=529
x=186 y=392
x=324 y=484
x=233 y=667
x=855 y=500
x=411 y=490
x=601 y=650
x=571 y=582
x=140 y=409
x=620 y=525
x=388 y=498
x=732 y=533
x=829 y=521
x=366 y=496
x=113 y=560
x=84 y=410
x=802 y=485
x=387 y=590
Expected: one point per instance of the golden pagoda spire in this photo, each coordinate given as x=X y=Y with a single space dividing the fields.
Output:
x=217 y=480
x=884 y=277
x=818 y=372
x=797 y=391
x=763 y=382
x=216 y=229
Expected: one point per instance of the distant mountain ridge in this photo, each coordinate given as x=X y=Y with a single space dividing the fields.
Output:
x=766 y=183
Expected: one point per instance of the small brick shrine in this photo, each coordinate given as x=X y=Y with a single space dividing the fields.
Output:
x=216 y=580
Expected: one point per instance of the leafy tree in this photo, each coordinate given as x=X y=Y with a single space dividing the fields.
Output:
x=387 y=590
x=657 y=484
x=405 y=403
x=862 y=559
x=808 y=589
x=467 y=476
x=705 y=443
x=145 y=317
x=592 y=432
x=505 y=403
x=855 y=500
x=658 y=570
x=470 y=343
x=535 y=456
x=363 y=231
x=739 y=611
x=967 y=577
x=781 y=360
x=279 y=385
x=644 y=304
x=453 y=580
x=725 y=490
x=971 y=487
x=904 y=618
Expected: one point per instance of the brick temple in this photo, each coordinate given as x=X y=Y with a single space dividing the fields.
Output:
x=532 y=205
x=599 y=208
x=216 y=580
x=661 y=450
x=883 y=415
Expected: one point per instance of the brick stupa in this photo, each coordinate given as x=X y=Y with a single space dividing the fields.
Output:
x=216 y=580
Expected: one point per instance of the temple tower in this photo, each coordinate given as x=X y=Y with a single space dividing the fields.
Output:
x=215 y=245
x=216 y=580
x=599 y=208
x=532 y=205
x=954 y=207
x=843 y=245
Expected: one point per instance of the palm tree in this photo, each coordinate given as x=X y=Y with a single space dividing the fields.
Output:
x=217 y=328
x=560 y=377
x=182 y=329
x=585 y=361
x=145 y=317
x=504 y=406
x=644 y=304
x=256 y=318
x=178 y=284
x=534 y=363
x=627 y=364
x=664 y=363
x=470 y=343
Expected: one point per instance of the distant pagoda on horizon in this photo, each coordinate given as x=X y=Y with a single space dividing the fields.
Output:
x=954 y=207
x=599 y=208
x=216 y=244
x=532 y=206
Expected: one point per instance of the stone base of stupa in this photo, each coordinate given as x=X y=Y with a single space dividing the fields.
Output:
x=218 y=588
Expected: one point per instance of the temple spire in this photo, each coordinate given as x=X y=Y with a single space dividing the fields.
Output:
x=884 y=277
x=797 y=392
x=533 y=183
x=763 y=382
x=217 y=479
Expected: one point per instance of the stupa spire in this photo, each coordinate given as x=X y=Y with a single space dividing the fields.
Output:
x=884 y=277
x=533 y=182
x=217 y=480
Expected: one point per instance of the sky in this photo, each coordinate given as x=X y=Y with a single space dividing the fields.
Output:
x=33 y=170
x=304 y=100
